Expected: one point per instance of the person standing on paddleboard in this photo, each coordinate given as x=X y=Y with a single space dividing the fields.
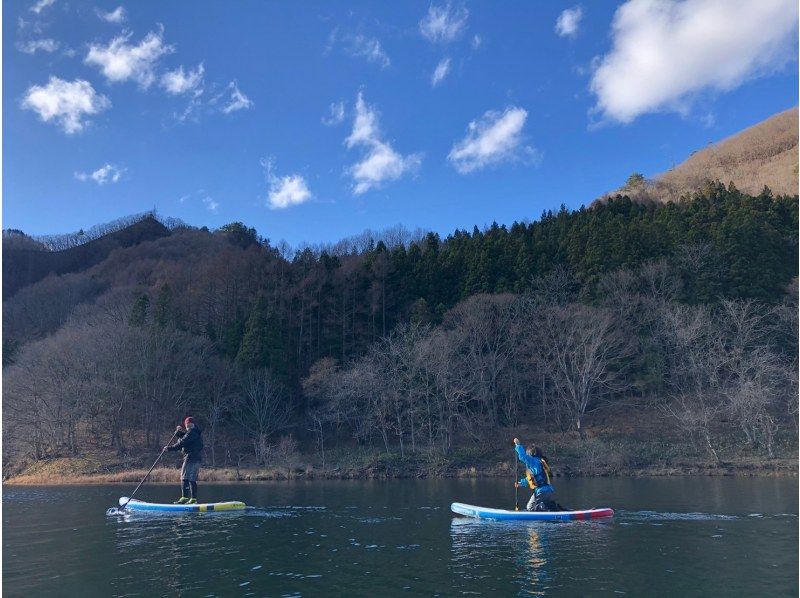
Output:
x=537 y=477
x=190 y=443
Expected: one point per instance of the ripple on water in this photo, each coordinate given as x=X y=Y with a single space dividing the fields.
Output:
x=376 y=519
x=653 y=516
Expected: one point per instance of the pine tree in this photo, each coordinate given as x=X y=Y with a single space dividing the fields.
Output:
x=262 y=344
x=163 y=308
x=138 y=315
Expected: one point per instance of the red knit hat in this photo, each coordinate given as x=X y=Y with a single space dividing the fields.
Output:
x=187 y=421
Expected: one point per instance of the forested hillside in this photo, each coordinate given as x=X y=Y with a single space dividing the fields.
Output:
x=28 y=260
x=680 y=315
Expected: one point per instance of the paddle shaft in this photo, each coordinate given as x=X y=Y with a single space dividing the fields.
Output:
x=149 y=471
x=516 y=481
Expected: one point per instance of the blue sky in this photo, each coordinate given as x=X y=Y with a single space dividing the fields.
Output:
x=312 y=121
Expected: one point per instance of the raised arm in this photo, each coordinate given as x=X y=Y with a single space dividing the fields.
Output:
x=181 y=434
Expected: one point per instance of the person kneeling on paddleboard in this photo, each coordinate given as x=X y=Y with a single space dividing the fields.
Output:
x=537 y=477
x=190 y=443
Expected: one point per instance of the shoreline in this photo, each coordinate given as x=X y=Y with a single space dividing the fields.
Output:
x=782 y=468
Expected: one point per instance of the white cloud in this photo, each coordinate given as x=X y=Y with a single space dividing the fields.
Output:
x=371 y=49
x=120 y=61
x=237 y=101
x=178 y=82
x=118 y=15
x=365 y=125
x=380 y=162
x=108 y=173
x=41 y=5
x=33 y=46
x=443 y=23
x=440 y=72
x=211 y=204
x=336 y=114
x=569 y=21
x=477 y=42
x=65 y=102
x=665 y=52
x=360 y=46
x=285 y=191
x=495 y=137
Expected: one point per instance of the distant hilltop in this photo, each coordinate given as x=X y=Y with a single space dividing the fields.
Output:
x=762 y=155
x=27 y=260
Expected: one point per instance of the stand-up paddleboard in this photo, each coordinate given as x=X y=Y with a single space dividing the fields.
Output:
x=139 y=505
x=487 y=513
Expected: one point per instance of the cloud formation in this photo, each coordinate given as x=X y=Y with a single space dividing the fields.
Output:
x=39 y=6
x=285 y=191
x=335 y=115
x=380 y=162
x=569 y=21
x=360 y=46
x=179 y=82
x=121 y=61
x=493 y=138
x=118 y=15
x=665 y=52
x=66 y=103
x=371 y=49
x=108 y=173
x=38 y=45
x=440 y=72
x=211 y=204
x=443 y=24
x=237 y=100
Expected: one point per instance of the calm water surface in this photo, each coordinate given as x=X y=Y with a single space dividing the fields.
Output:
x=681 y=536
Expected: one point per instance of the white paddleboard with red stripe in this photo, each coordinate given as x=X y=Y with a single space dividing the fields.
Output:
x=487 y=513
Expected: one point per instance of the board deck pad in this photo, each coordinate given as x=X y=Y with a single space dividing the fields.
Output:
x=139 y=505
x=488 y=513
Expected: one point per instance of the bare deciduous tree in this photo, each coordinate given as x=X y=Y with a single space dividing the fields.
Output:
x=262 y=410
x=584 y=357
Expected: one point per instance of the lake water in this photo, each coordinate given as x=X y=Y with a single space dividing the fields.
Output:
x=676 y=536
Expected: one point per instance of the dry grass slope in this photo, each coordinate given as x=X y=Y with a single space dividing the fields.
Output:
x=764 y=154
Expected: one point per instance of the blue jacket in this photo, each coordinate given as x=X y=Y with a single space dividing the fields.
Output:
x=534 y=465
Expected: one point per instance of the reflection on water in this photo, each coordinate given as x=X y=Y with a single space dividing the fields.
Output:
x=531 y=551
x=536 y=560
x=358 y=538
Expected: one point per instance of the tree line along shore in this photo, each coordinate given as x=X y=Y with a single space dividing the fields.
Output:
x=623 y=338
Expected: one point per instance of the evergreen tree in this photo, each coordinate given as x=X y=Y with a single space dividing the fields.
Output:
x=162 y=315
x=138 y=315
x=262 y=344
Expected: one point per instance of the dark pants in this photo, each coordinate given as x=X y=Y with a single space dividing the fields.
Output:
x=544 y=502
x=190 y=471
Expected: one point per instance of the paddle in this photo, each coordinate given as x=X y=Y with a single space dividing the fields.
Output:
x=149 y=471
x=516 y=482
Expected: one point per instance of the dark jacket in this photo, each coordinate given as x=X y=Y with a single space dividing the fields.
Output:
x=190 y=443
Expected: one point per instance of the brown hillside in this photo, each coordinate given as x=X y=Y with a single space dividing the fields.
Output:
x=764 y=154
